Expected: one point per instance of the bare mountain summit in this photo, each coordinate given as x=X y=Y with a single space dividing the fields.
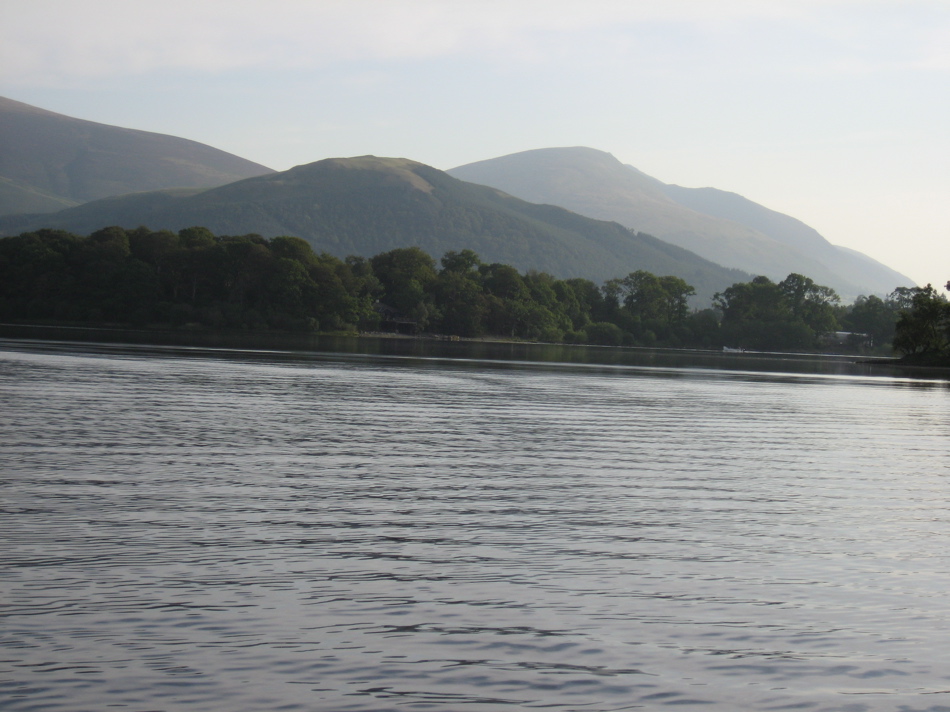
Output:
x=49 y=161
x=722 y=227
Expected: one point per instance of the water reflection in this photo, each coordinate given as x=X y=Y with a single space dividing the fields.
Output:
x=672 y=363
x=262 y=531
x=305 y=346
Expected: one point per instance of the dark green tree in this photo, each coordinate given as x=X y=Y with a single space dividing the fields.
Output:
x=590 y=299
x=293 y=248
x=759 y=315
x=664 y=300
x=465 y=263
x=924 y=327
x=811 y=303
x=872 y=316
x=405 y=275
x=460 y=301
x=604 y=333
x=504 y=281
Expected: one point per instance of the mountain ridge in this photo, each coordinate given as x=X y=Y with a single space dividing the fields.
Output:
x=850 y=264
x=68 y=159
x=703 y=220
x=368 y=205
x=51 y=162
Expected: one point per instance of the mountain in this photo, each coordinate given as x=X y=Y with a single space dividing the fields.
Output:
x=850 y=265
x=17 y=197
x=367 y=205
x=722 y=227
x=49 y=161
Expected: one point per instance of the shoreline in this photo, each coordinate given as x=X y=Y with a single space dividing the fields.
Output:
x=48 y=332
x=413 y=344
x=505 y=355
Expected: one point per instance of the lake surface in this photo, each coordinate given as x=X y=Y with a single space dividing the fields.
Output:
x=188 y=529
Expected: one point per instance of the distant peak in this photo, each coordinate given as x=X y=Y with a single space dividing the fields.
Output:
x=548 y=159
x=367 y=162
x=403 y=169
x=12 y=105
x=564 y=151
x=375 y=162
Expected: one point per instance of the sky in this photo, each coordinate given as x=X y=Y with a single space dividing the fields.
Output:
x=836 y=112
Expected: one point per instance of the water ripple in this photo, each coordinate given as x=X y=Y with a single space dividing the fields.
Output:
x=195 y=531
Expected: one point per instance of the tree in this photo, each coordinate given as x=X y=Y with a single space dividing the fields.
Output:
x=110 y=244
x=759 y=315
x=604 y=333
x=872 y=316
x=196 y=237
x=336 y=297
x=676 y=297
x=503 y=281
x=570 y=305
x=901 y=298
x=154 y=248
x=405 y=273
x=613 y=294
x=644 y=296
x=359 y=280
x=38 y=275
x=590 y=299
x=924 y=328
x=460 y=301
x=811 y=303
x=293 y=248
x=758 y=300
x=465 y=262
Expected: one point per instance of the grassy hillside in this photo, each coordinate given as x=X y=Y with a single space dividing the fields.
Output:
x=364 y=206
x=76 y=161
x=16 y=197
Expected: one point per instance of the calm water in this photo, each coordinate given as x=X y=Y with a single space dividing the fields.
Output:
x=188 y=529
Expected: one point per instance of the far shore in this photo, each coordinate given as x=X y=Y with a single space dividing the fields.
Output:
x=447 y=348
x=164 y=333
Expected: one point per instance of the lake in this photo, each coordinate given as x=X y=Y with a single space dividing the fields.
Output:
x=474 y=528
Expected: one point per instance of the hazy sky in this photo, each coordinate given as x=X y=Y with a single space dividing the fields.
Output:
x=834 y=112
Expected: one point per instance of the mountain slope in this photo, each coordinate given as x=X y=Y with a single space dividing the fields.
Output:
x=73 y=160
x=850 y=265
x=17 y=197
x=364 y=206
x=722 y=227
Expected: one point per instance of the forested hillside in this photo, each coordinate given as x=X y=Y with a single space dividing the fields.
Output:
x=364 y=206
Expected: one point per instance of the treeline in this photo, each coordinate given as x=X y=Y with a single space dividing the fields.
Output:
x=922 y=332
x=142 y=277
